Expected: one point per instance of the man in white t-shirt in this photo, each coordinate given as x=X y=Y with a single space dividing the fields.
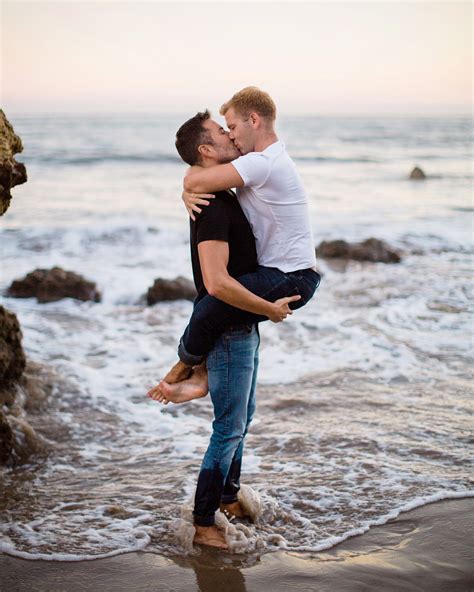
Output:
x=269 y=188
x=272 y=196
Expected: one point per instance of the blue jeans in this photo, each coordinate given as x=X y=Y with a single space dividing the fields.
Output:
x=211 y=316
x=232 y=371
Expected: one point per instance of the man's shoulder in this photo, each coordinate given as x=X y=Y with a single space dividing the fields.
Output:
x=218 y=211
x=222 y=202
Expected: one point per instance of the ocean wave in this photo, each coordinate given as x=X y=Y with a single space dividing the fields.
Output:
x=336 y=159
x=103 y=158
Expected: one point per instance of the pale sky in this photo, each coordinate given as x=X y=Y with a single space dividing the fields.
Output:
x=312 y=57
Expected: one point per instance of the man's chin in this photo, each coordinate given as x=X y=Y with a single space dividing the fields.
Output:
x=230 y=158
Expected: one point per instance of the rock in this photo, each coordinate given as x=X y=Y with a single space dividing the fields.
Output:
x=179 y=288
x=18 y=440
x=417 y=174
x=49 y=285
x=11 y=172
x=371 y=249
x=12 y=356
x=7 y=440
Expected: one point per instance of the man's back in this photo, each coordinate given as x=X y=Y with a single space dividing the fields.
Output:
x=223 y=220
x=275 y=202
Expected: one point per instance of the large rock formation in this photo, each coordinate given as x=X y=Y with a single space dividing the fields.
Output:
x=177 y=289
x=11 y=172
x=23 y=386
x=18 y=440
x=49 y=285
x=12 y=356
x=371 y=249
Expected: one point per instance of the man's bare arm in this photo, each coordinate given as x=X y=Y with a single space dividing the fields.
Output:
x=216 y=178
x=213 y=258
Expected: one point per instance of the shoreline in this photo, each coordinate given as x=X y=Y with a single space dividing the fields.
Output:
x=428 y=548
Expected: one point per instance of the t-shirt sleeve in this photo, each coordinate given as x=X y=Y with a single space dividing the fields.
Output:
x=213 y=222
x=253 y=167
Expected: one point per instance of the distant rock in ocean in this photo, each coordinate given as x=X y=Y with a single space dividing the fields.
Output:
x=177 y=289
x=372 y=249
x=50 y=285
x=11 y=172
x=417 y=174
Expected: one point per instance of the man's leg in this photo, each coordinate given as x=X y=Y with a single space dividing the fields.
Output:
x=211 y=316
x=231 y=377
x=229 y=501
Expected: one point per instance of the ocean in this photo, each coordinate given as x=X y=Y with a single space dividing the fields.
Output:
x=365 y=394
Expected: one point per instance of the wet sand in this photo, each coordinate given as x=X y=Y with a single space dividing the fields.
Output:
x=429 y=549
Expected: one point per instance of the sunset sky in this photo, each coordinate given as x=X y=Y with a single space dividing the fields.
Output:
x=313 y=57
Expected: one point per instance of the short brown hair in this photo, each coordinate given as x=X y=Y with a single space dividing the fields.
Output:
x=251 y=99
x=191 y=135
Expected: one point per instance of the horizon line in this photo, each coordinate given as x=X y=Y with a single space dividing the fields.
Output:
x=423 y=114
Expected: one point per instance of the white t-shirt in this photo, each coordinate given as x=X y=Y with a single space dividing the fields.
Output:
x=275 y=204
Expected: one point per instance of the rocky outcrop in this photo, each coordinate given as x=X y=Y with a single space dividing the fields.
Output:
x=177 y=289
x=371 y=249
x=49 y=285
x=417 y=174
x=12 y=356
x=25 y=404
x=21 y=388
x=11 y=172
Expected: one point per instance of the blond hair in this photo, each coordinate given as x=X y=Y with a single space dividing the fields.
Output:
x=251 y=99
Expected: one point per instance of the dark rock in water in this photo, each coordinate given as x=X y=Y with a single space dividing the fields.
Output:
x=177 y=289
x=18 y=440
x=11 y=172
x=371 y=249
x=417 y=174
x=49 y=285
x=12 y=356
x=7 y=440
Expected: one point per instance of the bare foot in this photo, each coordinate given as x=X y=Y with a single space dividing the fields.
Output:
x=210 y=536
x=180 y=371
x=233 y=510
x=194 y=387
x=180 y=392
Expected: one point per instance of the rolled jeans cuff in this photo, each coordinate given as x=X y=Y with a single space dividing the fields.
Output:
x=187 y=358
x=204 y=520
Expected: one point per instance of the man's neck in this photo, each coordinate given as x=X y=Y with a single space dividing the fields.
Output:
x=208 y=162
x=265 y=140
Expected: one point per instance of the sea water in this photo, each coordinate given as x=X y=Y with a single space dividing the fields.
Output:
x=364 y=399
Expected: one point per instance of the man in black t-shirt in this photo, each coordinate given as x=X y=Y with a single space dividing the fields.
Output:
x=222 y=249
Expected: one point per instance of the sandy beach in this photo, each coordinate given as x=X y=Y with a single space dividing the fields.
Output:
x=428 y=549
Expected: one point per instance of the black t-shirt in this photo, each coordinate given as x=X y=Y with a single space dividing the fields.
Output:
x=223 y=220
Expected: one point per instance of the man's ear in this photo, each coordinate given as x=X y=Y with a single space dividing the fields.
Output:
x=204 y=149
x=255 y=119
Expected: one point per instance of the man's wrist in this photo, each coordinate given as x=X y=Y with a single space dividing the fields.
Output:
x=270 y=310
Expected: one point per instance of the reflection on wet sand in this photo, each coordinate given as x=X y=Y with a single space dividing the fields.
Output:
x=217 y=571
